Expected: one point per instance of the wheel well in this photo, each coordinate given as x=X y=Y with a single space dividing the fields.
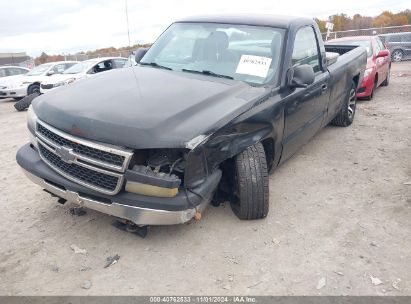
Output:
x=34 y=83
x=268 y=145
x=356 y=79
x=376 y=79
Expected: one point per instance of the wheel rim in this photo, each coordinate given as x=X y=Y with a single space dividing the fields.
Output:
x=36 y=90
x=351 y=104
x=397 y=56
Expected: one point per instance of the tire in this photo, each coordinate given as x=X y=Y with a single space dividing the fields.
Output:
x=24 y=103
x=371 y=96
x=346 y=115
x=34 y=88
x=397 y=55
x=386 y=82
x=250 y=199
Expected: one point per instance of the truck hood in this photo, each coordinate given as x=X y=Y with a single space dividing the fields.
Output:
x=145 y=107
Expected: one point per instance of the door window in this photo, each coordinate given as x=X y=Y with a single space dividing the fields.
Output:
x=305 y=49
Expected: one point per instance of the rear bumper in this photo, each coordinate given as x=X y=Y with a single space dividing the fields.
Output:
x=140 y=209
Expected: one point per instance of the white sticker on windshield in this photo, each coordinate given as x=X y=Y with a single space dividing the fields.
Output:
x=254 y=65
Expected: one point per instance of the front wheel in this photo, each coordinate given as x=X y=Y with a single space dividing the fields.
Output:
x=345 y=117
x=250 y=199
x=34 y=88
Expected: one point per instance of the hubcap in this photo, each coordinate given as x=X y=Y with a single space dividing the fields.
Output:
x=351 y=104
x=397 y=56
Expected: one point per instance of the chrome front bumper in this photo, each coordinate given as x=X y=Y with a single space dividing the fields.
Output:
x=138 y=215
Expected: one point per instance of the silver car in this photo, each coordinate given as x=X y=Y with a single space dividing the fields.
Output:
x=399 y=45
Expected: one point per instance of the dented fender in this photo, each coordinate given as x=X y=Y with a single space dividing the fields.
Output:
x=264 y=121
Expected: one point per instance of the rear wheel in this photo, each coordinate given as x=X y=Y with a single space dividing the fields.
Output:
x=346 y=115
x=386 y=82
x=250 y=199
x=397 y=55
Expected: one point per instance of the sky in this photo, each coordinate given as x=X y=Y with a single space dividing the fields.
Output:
x=69 y=26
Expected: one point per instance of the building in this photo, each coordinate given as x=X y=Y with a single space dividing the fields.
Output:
x=21 y=59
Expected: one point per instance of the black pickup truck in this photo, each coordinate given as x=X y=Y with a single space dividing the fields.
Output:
x=208 y=111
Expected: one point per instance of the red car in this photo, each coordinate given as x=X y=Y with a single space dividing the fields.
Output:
x=378 y=63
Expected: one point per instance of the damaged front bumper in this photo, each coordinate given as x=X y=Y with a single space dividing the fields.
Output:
x=139 y=209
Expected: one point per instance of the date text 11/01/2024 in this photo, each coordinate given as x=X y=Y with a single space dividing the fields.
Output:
x=203 y=299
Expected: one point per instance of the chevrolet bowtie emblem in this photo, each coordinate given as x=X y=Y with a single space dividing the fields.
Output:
x=65 y=154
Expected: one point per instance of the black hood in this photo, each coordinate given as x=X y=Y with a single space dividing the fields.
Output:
x=145 y=107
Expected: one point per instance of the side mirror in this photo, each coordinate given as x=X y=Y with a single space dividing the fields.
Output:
x=301 y=76
x=140 y=54
x=49 y=73
x=383 y=53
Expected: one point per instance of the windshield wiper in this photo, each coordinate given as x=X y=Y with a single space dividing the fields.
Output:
x=153 y=64
x=209 y=73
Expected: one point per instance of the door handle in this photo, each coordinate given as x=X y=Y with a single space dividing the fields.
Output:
x=324 y=87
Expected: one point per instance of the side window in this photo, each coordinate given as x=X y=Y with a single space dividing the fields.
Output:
x=119 y=63
x=305 y=49
x=379 y=43
x=59 y=68
x=406 y=38
x=16 y=71
x=395 y=38
x=3 y=73
x=102 y=66
x=69 y=65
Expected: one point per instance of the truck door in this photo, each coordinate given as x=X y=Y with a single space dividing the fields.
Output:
x=305 y=107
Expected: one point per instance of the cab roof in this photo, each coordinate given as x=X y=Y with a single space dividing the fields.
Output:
x=250 y=19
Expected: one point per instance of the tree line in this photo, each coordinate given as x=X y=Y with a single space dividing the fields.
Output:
x=343 y=22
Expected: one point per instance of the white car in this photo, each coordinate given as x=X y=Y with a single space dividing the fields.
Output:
x=10 y=71
x=23 y=85
x=81 y=70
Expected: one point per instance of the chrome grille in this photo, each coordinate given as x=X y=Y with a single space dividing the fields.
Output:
x=82 y=174
x=113 y=159
x=93 y=165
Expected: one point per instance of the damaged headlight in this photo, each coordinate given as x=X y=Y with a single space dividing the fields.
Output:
x=196 y=141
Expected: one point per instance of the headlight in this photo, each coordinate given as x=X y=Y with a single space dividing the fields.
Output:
x=31 y=119
x=368 y=72
x=61 y=83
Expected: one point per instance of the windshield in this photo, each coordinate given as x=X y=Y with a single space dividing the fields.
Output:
x=80 y=67
x=41 y=69
x=240 y=52
x=364 y=43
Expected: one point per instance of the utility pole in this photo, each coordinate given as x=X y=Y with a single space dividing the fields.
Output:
x=128 y=29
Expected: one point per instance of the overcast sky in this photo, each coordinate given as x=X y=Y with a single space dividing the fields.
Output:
x=57 y=26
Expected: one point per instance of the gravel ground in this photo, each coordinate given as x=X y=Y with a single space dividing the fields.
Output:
x=340 y=213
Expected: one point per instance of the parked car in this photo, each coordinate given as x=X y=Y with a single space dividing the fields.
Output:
x=29 y=83
x=213 y=105
x=378 y=63
x=399 y=45
x=81 y=70
x=7 y=71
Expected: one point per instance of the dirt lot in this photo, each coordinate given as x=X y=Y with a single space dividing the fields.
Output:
x=340 y=210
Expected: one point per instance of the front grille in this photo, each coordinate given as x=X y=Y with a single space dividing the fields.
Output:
x=93 y=165
x=93 y=153
x=84 y=175
x=46 y=86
